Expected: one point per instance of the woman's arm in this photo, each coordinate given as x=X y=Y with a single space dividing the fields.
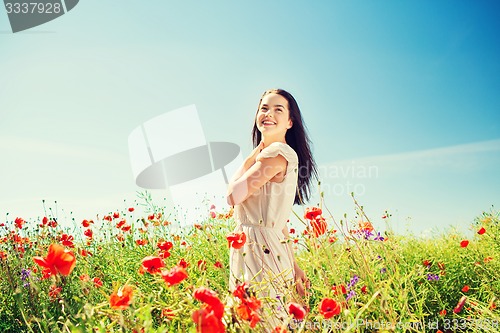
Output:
x=249 y=161
x=252 y=176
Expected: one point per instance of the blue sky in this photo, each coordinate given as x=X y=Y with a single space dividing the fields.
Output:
x=409 y=89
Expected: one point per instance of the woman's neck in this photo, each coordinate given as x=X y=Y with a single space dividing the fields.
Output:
x=269 y=140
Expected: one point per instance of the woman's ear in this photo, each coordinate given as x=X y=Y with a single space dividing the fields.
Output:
x=290 y=124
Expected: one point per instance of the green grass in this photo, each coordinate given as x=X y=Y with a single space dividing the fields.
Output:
x=399 y=284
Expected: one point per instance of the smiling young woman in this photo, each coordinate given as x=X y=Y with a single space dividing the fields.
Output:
x=276 y=174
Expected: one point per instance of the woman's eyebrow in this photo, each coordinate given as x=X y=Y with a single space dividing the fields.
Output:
x=276 y=105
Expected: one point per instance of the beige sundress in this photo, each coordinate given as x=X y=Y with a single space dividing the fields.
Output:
x=265 y=261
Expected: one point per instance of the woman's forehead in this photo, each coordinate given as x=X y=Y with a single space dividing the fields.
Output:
x=274 y=100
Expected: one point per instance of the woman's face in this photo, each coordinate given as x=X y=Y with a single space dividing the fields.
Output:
x=273 y=116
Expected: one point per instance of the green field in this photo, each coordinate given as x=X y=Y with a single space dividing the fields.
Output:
x=382 y=282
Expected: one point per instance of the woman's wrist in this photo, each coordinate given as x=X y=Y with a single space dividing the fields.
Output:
x=248 y=163
x=295 y=266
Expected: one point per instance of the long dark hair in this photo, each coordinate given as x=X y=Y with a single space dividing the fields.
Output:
x=297 y=138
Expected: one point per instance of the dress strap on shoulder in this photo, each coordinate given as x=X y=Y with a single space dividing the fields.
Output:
x=279 y=148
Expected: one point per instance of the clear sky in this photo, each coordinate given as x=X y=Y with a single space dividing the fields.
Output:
x=401 y=98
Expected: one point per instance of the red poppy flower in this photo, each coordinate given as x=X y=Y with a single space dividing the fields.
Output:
x=202 y=265
x=19 y=222
x=86 y=223
x=319 y=226
x=249 y=306
x=442 y=313
x=297 y=311
x=236 y=240
x=116 y=215
x=164 y=246
x=54 y=291
x=164 y=254
x=329 y=308
x=339 y=289
x=151 y=265
x=108 y=218
x=97 y=282
x=46 y=273
x=207 y=322
x=58 y=260
x=427 y=263
x=183 y=263
x=131 y=209
x=126 y=227
x=121 y=223
x=210 y=298
x=218 y=264
x=122 y=298
x=460 y=305
x=141 y=242
x=464 y=243
x=88 y=233
x=85 y=277
x=167 y=313
x=85 y=253
x=364 y=289
x=248 y=310
x=481 y=231
x=241 y=291
x=312 y=213
x=175 y=276
x=465 y=288
x=366 y=226
x=67 y=240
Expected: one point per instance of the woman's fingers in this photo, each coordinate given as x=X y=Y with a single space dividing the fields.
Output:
x=308 y=283
x=300 y=288
x=302 y=285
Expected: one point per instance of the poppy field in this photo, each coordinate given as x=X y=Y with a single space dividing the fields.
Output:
x=127 y=271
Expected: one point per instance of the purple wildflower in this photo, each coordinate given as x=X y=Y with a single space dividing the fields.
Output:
x=25 y=275
x=432 y=277
x=368 y=234
x=353 y=281
x=350 y=295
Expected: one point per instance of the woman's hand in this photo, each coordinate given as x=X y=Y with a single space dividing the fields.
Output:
x=302 y=283
x=250 y=160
